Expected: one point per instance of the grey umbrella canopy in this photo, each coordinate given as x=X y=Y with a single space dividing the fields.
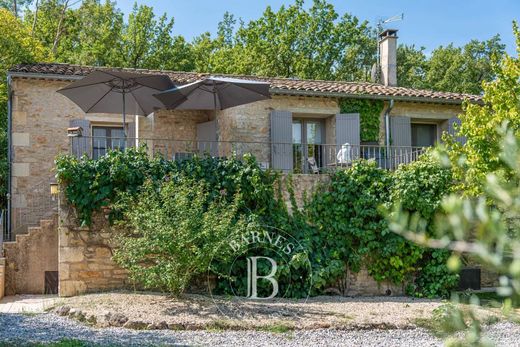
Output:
x=107 y=91
x=214 y=93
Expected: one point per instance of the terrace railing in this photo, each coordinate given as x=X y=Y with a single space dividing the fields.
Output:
x=287 y=157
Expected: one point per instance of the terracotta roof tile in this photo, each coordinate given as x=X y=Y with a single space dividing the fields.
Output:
x=278 y=85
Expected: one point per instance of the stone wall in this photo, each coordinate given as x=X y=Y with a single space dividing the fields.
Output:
x=29 y=257
x=2 y=277
x=85 y=256
x=303 y=186
x=251 y=123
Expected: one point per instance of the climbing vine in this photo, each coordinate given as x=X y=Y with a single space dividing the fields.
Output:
x=342 y=225
x=369 y=114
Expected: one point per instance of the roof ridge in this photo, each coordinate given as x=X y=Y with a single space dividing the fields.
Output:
x=307 y=86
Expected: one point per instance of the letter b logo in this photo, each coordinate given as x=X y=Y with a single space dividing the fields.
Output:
x=253 y=277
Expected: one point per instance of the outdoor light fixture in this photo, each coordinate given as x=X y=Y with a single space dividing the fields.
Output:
x=54 y=189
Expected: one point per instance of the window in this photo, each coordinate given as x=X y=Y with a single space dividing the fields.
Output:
x=424 y=135
x=105 y=138
x=307 y=145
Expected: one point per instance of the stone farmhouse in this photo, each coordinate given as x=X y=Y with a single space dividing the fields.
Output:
x=300 y=129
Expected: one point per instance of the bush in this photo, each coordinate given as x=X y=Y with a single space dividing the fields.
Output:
x=341 y=227
x=419 y=189
x=169 y=234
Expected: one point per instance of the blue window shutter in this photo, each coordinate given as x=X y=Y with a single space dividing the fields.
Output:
x=453 y=126
x=281 y=141
x=83 y=144
x=400 y=131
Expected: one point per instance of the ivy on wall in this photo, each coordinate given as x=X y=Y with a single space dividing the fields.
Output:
x=369 y=114
x=341 y=227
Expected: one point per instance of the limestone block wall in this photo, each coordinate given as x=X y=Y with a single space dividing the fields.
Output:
x=29 y=257
x=2 y=278
x=40 y=118
x=85 y=256
x=248 y=126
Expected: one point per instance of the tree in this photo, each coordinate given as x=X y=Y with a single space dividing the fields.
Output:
x=291 y=42
x=95 y=35
x=53 y=22
x=149 y=43
x=480 y=123
x=463 y=69
x=15 y=6
x=412 y=66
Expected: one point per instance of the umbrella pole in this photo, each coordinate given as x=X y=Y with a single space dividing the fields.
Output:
x=124 y=121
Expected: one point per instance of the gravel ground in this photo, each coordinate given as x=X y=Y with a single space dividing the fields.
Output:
x=43 y=328
x=325 y=312
x=17 y=329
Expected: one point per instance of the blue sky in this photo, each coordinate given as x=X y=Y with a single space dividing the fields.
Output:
x=426 y=23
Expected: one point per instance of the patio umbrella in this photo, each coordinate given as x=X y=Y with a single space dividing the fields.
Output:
x=112 y=91
x=214 y=93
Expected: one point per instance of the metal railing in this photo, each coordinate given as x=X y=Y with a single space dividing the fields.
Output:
x=288 y=157
x=4 y=234
x=39 y=205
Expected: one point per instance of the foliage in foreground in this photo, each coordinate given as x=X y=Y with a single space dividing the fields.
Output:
x=480 y=125
x=341 y=227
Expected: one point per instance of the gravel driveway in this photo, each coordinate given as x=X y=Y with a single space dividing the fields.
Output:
x=42 y=328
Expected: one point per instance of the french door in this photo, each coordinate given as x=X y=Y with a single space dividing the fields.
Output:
x=308 y=136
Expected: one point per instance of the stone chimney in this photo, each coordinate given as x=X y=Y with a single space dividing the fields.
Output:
x=388 y=57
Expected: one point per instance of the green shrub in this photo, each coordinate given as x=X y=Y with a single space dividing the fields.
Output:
x=169 y=235
x=341 y=226
x=419 y=188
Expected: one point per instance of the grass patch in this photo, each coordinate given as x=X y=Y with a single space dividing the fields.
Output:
x=278 y=328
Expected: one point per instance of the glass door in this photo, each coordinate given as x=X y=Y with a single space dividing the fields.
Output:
x=307 y=149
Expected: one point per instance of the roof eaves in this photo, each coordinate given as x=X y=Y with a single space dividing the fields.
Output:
x=46 y=76
x=281 y=91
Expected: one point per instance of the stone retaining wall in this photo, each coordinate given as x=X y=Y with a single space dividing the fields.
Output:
x=2 y=277
x=29 y=257
x=85 y=256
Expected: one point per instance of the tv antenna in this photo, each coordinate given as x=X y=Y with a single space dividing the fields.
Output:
x=382 y=22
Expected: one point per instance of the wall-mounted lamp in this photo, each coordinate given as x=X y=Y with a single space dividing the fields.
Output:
x=54 y=189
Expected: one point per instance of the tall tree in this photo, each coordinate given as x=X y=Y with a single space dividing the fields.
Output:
x=95 y=35
x=15 y=6
x=412 y=66
x=53 y=22
x=291 y=42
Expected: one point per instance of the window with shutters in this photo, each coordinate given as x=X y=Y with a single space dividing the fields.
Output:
x=105 y=138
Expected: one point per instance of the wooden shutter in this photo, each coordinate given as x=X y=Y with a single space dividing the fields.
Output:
x=348 y=130
x=207 y=138
x=400 y=151
x=82 y=144
x=281 y=141
x=400 y=131
x=453 y=126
